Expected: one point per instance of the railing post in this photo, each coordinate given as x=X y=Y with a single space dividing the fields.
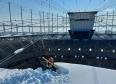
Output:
x=22 y=19
x=52 y=22
x=40 y=22
x=29 y=28
x=17 y=28
x=4 y=31
x=107 y=22
x=32 y=21
x=10 y=15
x=112 y=22
x=57 y=23
x=66 y=23
x=43 y=22
x=48 y=22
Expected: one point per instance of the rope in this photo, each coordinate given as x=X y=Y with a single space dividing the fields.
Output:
x=4 y=60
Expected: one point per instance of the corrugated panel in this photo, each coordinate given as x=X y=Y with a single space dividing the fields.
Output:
x=82 y=25
x=82 y=21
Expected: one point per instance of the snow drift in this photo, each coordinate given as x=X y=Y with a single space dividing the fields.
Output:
x=82 y=74
x=66 y=74
x=30 y=76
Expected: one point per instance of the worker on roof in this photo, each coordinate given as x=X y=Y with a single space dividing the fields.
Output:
x=47 y=61
x=50 y=61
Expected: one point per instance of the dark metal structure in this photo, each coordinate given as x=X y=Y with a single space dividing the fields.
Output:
x=100 y=53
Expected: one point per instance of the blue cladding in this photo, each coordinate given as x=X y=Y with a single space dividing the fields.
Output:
x=81 y=24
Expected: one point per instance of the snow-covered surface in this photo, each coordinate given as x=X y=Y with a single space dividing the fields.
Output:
x=30 y=76
x=66 y=74
x=82 y=74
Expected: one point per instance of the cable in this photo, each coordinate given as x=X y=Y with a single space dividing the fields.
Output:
x=100 y=5
x=12 y=55
x=108 y=5
x=59 y=5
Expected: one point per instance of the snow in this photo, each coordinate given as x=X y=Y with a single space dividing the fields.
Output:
x=66 y=74
x=30 y=76
x=82 y=74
